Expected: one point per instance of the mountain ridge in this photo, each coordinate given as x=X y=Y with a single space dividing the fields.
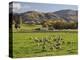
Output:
x=36 y=16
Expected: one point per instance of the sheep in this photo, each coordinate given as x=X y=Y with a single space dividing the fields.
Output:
x=61 y=39
x=31 y=38
x=51 y=48
x=36 y=39
x=40 y=40
x=43 y=46
x=57 y=45
x=50 y=42
x=54 y=39
x=63 y=42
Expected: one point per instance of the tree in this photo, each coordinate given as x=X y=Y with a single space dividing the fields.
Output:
x=59 y=24
x=73 y=25
x=18 y=21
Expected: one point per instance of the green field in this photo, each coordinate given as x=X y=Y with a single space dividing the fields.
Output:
x=25 y=46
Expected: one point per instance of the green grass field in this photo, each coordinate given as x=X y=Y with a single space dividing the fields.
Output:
x=24 y=46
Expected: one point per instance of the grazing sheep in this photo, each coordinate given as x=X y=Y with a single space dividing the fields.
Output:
x=44 y=39
x=31 y=38
x=57 y=47
x=43 y=48
x=40 y=40
x=49 y=42
x=36 y=39
x=63 y=42
x=61 y=39
x=58 y=44
x=54 y=40
x=51 y=48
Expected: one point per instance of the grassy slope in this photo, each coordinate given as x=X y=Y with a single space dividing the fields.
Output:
x=23 y=46
x=25 y=27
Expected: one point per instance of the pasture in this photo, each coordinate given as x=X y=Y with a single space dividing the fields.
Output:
x=25 y=44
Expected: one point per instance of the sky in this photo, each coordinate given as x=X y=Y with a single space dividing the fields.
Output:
x=20 y=7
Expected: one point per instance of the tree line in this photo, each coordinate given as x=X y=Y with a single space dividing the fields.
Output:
x=50 y=24
x=60 y=24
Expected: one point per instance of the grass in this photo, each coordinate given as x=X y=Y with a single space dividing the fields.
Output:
x=24 y=46
x=26 y=27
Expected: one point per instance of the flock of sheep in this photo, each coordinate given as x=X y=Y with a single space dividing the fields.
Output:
x=49 y=43
x=52 y=42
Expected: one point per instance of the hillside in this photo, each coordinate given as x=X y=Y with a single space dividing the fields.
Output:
x=37 y=17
